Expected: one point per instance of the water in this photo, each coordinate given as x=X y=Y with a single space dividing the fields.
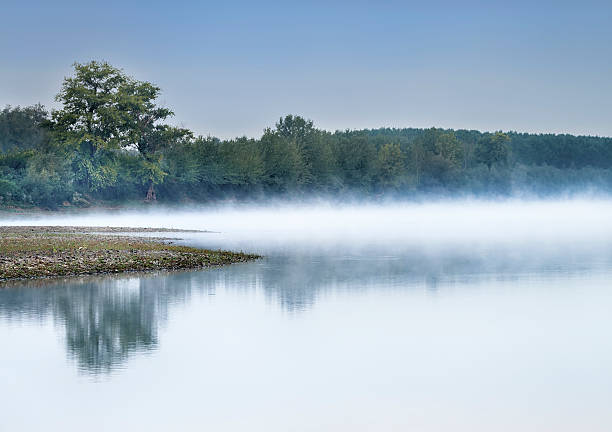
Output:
x=449 y=316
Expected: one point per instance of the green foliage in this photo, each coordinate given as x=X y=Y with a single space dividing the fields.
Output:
x=390 y=165
x=8 y=191
x=17 y=160
x=243 y=163
x=437 y=157
x=91 y=110
x=492 y=150
x=356 y=157
x=105 y=111
x=48 y=180
x=284 y=168
x=109 y=141
x=23 y=128
x=149 y=170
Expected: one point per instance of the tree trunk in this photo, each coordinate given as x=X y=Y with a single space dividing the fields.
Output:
x=151 y=193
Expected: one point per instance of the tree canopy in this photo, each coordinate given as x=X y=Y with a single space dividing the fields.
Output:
x=110 y=140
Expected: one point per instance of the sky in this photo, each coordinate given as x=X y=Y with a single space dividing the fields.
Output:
x=232 y=68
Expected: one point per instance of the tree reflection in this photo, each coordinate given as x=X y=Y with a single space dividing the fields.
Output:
x=106 y=320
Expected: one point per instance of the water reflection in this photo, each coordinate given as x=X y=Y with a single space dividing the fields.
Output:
x=107 y=320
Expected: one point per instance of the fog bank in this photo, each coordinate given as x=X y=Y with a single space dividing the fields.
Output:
x=387 y=226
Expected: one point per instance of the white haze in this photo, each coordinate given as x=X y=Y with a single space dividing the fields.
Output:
x=395 y=226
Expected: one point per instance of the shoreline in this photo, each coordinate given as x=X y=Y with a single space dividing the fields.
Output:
x=32 y=252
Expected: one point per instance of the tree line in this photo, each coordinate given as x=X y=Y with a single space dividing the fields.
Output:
x=110 y=141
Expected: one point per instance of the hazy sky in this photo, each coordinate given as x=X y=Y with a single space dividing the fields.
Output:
x=232 y=68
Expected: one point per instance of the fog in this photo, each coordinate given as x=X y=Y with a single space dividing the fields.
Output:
x=394 y=225
x=453 y=307
x=457 y=237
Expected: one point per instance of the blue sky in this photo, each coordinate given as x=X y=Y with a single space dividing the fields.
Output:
x=231 y=68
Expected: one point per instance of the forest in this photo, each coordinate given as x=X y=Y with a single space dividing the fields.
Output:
x=110 y=142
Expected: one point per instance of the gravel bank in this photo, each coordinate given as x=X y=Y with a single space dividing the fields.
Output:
x=33 y=252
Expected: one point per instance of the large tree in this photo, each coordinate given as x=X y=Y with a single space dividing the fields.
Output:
x=104 y=111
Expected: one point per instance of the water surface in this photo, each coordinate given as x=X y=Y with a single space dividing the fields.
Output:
x=461 y=316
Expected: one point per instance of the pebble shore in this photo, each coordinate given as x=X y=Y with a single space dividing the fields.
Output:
x=28 y=252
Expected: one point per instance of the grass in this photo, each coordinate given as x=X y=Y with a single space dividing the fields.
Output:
x=34 y=252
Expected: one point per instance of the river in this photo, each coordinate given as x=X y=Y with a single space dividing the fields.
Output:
x=473 y=316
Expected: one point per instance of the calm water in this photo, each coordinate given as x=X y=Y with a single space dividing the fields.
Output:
x=471 y=317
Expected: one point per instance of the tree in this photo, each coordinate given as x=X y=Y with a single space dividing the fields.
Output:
x=315 y=153
x=90 y=121
x=91 y=112
x=449 y=148
x=294 y=127
x=151 y=145
x=23 y=128
x=492 y=150
x=136 y=100
x=283 y=163
x=298 y=134
x=243 y=165
x=105 y=111
x=437 y=156
x=356 y=157
x=390 y=165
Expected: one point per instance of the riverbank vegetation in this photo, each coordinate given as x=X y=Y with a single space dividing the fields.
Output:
x=34 y=252
x=111 y=142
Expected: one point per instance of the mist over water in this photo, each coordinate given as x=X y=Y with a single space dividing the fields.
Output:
x=451 y=315
x=461 y=236
x=448 y=222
